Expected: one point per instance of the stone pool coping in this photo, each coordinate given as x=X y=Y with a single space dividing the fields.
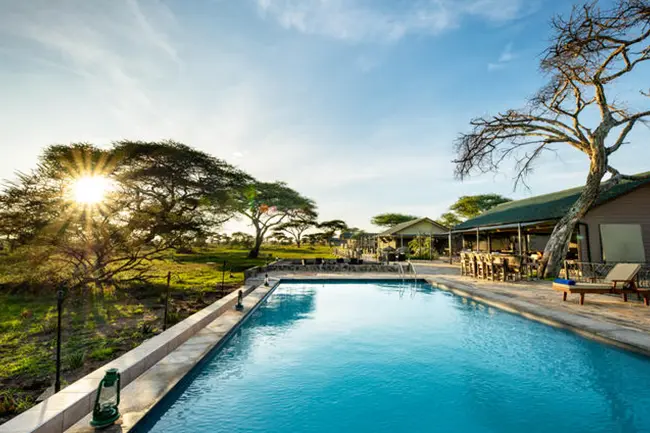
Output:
x=65 y=408
x=149 y=389
x=623 y=337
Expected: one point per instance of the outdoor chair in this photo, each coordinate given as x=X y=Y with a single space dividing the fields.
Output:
x=463 y=264
x=488 y=267
x=514 y=268
x=499 y=270
x=620 y=280
x=470 y=264
x=478 y=266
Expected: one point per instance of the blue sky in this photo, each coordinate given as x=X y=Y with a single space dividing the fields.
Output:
x=355 y=103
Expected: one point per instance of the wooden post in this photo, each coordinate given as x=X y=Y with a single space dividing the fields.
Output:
x=59 y=312
x=489 y=243
x=223 y=277
x=169 y=277
x=430 y=246
x=521 y=253
x=526 y=242
x=478 y=241
x=449 y=239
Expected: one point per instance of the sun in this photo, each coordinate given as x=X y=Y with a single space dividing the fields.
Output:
x=90 y=190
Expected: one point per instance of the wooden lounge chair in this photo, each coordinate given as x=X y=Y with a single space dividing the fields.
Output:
x=620 y=280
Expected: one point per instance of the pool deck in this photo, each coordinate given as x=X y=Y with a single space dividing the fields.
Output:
x=603 y=317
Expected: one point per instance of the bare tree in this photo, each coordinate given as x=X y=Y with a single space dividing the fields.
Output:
x=590 y=51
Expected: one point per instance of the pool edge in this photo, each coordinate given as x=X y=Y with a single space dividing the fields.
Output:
x=593 y=329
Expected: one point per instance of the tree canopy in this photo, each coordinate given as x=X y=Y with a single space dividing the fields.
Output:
x=153 y=197
x=391 y=219
x=300 y=222
x=268 y=205
x=470 y=206
x=449 y=219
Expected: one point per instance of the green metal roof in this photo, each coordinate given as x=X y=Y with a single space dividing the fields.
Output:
x=543 y=207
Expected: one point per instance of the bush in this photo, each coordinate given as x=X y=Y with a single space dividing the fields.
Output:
x=13 y=402
x=146 y=329
x=102 y=353
x=75 y=360
x=46 y=326
x=173 y=317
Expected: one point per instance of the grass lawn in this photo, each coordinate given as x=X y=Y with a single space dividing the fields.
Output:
x=98 y=327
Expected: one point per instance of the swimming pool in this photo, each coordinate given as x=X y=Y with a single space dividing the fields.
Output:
x=328 y=356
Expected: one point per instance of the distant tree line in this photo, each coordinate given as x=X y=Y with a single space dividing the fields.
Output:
x=466 y=207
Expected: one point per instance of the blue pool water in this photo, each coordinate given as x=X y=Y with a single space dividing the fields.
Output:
x=393 y=357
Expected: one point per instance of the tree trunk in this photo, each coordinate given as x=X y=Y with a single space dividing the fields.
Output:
x=558 y=245
x=255 y=252
x=298 y=242
x=259 y=237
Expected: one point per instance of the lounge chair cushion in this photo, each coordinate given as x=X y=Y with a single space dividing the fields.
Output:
x=623 y=272
x=564 y=281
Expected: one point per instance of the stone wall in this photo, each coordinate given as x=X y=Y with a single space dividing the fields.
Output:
x=326 y=267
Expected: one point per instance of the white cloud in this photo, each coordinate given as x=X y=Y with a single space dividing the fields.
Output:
x=507 y=54
x=495 y=66
x=365 y=20
x=506 y=57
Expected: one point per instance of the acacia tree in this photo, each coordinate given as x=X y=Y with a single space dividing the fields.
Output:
x=243 y=239
x=391 y=219
x=330 y=228
x=182 y=192
x=300 y=222
x=449 y=219
x=279 y=238
x=160 y=195
x=470 y=206
x=590 y=52
x=268 y=205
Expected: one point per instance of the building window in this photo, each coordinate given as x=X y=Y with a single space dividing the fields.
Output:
x=622 y=243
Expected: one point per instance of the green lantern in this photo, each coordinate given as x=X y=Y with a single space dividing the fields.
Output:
x=105 y=411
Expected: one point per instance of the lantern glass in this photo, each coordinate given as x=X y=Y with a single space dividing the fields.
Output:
x=108 y=396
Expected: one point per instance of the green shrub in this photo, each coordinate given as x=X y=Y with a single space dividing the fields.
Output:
x=46 y=326
x=13 y=402
x=75 y=360
x=146 y=329
x=10 y=326
x=102 y=353
x=173 y=317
